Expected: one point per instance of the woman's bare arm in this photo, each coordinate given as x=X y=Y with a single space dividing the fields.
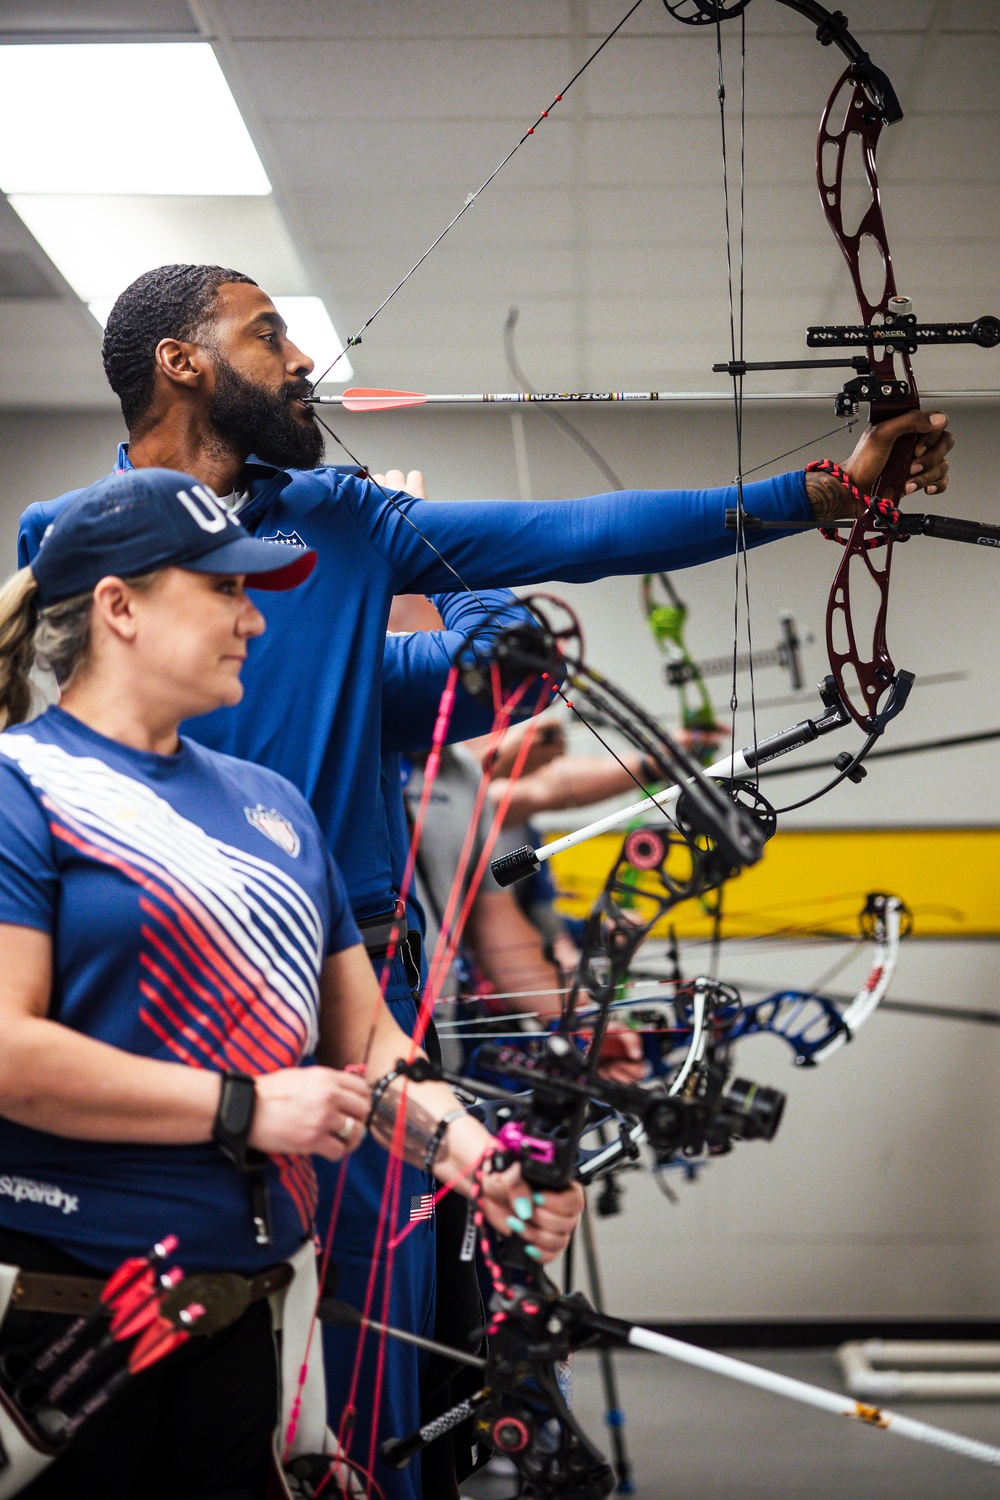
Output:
x=54 y=1078
x=58 y=1080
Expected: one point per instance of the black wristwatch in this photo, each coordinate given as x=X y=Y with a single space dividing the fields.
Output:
x=230 y=1132
x=234 y=1117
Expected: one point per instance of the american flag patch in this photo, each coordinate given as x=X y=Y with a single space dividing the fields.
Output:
x=421 y=1207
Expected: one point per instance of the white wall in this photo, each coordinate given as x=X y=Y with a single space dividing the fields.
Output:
x=880 y=1194
x=43 y=454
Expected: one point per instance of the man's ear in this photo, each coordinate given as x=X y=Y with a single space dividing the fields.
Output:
x=113 y=601
x=182 y=363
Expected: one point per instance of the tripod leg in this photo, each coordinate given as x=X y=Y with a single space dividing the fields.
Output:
x=613 y=1414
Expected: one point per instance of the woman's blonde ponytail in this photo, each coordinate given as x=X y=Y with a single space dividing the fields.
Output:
x=57 y=639
x=18 y=619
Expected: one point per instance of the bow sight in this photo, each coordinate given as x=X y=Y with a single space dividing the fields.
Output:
x=898 y=333
x=564 y=1102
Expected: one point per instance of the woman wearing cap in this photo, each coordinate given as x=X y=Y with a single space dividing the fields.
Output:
x=174 y=943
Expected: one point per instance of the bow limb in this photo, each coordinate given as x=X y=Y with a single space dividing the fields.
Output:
x=814 y=1026
x=888 y=921
x=666 y=621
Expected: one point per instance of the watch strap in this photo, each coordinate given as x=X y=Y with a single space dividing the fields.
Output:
x=234 y=1117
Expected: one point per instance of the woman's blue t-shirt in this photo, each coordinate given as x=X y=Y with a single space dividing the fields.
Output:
x=191 y=901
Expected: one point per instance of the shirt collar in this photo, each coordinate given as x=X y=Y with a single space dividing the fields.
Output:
x=253 y=471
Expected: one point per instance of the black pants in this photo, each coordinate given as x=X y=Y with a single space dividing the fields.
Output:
x=197 y=1424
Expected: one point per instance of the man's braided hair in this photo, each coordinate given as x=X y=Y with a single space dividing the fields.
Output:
x=171 y=302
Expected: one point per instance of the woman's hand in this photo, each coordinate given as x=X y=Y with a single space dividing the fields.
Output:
x=310 y=1111
x=544 y=1221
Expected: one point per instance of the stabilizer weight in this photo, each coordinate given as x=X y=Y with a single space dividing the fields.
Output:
x=508 y=868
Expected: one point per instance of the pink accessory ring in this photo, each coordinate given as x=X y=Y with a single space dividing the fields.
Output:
x=513 y=1138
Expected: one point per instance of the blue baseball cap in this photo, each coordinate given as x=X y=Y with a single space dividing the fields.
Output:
x=134 y=522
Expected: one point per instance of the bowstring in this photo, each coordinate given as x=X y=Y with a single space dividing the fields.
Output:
x=388 y=1213
x=387 y=1238
x=391 y=1187
x=447 y=943
x=355 y=339
x=735 y=281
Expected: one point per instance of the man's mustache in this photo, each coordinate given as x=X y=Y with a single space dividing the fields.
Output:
x=299 y=390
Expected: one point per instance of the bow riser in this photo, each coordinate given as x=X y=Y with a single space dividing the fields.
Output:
x=851 y=119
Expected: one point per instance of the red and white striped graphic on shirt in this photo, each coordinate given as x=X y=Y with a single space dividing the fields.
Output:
x=421 y=1207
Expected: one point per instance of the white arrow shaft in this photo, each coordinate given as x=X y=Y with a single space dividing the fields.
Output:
x=474 y=398
x=812 y=1395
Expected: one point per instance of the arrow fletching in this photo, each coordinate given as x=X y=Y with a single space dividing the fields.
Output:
x=162 y=1337
x=138 y=1308
x=129 y=1274
x=362 y=399
x=132 y=1270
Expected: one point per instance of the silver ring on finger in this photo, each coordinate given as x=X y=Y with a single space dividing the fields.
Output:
x=346 y=1131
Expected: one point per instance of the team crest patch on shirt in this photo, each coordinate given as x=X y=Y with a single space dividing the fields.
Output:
x=275 y=826
x=290 y=538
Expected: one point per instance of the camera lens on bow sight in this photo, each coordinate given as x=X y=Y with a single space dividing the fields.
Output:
x=751 y=1111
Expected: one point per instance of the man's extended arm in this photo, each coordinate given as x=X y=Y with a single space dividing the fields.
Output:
x=569 y=781
x=505 y=543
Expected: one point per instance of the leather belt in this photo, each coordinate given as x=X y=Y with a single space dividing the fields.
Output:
x=225 y=1295
x=376 y=932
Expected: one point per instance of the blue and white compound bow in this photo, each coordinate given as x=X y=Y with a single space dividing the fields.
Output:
x=688 y=1041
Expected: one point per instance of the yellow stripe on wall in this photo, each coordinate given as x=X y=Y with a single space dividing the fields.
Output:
x=816 y=879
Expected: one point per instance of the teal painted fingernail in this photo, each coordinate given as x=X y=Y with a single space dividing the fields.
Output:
x=539 y=1198
x=515 y=1225
x=523 y=1208
x=533 y=1251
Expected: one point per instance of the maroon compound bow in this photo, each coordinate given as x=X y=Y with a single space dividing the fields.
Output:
x=863 y=102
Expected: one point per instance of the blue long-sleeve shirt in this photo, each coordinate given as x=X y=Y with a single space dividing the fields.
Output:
x=416 y=664
x=312 y=702
x=415 y=671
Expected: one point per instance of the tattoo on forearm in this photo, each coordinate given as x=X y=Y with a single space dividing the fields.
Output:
x=829 y=499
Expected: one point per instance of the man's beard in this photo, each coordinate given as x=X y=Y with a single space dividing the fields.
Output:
x=255 y=420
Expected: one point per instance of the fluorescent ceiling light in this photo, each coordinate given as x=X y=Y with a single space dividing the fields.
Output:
x=309 y=327
x=146 y=117
x=102 y=243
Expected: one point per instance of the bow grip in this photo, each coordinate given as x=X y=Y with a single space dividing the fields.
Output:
x=891 y=483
